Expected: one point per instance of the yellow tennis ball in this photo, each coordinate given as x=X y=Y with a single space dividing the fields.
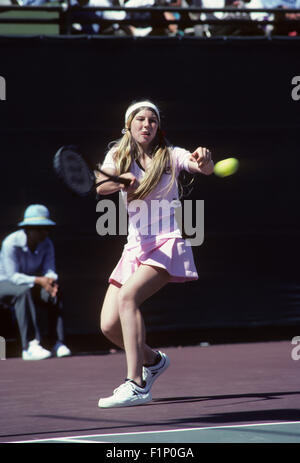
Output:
x=226 y=167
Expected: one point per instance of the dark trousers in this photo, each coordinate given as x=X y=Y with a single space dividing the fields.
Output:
x=31 y=305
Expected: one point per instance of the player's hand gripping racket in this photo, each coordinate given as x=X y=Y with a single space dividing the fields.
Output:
x=73 y=170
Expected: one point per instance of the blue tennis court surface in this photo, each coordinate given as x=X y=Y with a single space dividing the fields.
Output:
x=254 y=433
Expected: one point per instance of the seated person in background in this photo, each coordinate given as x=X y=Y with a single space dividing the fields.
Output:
x=154 y=28
x=284 y=28
x=140 y=30
x=103 y=24
x=234 y=29
x=79 y=25
x=28 y=281
x=103 y=19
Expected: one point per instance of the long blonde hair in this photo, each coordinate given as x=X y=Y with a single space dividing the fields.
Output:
x=126 y=151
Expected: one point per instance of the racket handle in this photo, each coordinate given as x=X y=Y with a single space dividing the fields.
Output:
x=112 y=178
x=125 y=181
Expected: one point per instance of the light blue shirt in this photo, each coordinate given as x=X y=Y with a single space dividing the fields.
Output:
x=276 y=3
x=19 y=265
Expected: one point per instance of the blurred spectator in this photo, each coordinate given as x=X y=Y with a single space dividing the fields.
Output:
x=99 y=27
x=104 y=25
x=172 y=29
x=234 y=29
x=139 y=30
x=198 y=29
x=154 y=28
x=284 y=28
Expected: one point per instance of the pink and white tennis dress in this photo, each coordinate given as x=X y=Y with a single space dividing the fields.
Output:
x=154 y=237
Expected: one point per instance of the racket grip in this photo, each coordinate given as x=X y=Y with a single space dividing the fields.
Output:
x=112 y=178
x=115 y=179
x=125 y=181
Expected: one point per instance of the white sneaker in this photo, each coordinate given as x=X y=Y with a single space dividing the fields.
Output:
x=60 y=350
x=150 y=374
x=35 y=351
x=126 y=395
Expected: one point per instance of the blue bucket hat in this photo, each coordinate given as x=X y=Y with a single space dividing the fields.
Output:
x=36 y=215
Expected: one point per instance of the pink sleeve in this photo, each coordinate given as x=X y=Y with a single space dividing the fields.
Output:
x=181 y=158
x=108 y=160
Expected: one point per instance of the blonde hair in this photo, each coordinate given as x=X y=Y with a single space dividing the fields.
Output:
x=126 y=151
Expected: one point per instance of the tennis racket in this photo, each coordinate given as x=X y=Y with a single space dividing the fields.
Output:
x=76 y=174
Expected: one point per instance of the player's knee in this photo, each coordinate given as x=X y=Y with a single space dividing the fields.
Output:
x=106 y=326
x=126 y=300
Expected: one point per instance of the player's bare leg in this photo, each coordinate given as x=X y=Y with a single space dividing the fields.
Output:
x=111 y=326
x=122 y=322
x=145 y=282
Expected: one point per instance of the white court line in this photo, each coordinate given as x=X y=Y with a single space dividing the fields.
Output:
x=81 y=438
x=78 y=440
x=67 y=439
x=196 y=429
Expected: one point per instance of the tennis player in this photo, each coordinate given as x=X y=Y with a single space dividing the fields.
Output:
x=155 y=253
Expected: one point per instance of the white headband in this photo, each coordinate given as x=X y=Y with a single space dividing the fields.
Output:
x=141 y=104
